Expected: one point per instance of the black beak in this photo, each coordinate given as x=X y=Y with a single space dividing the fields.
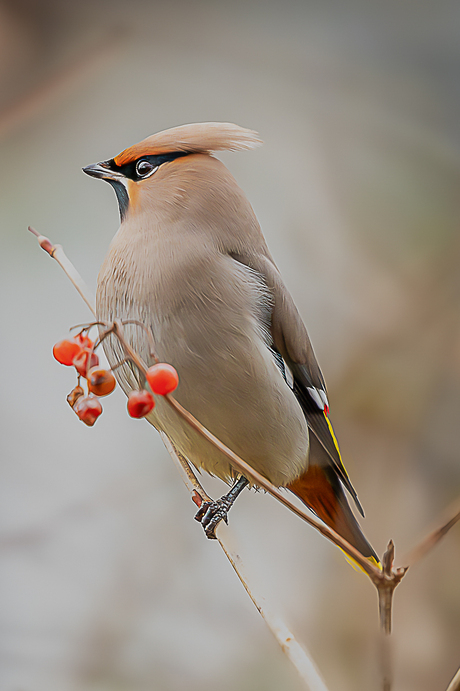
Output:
x=103 y=171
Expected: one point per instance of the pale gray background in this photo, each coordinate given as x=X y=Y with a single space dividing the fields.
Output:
x=107 y=583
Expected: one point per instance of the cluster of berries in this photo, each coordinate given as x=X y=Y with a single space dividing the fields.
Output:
x=79 y=353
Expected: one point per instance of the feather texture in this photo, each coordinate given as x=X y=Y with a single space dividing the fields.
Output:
x=200 y=137
x=190 y=262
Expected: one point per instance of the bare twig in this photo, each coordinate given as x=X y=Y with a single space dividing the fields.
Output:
x=385 y=611
x=372 y=571
x=63 y=81
x=294 y=651
x=299 y=657
x=455 y=683
x=390 y=579
x=57 y=253
x=188 y=476
x=432 y=539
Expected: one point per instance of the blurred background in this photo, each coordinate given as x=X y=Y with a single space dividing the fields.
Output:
x=107 y=583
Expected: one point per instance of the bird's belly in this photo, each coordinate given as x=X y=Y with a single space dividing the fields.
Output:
x=228 y=380
x=251 y=409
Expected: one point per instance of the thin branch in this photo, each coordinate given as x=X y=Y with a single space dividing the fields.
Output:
x=188 y=476
x=294 y=651
x=57 y=253
x=64 y=80
x=299 y=657
x=455 y=683
x=386 y=661
x=432 y=539
x=385 y=593
x=372 y=571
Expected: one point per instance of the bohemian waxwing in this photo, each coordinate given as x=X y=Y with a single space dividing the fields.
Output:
x=190 y=261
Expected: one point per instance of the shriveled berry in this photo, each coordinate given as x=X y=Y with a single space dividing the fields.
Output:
x=88 y=409
x=65 y=351
x=74 y=395
x=85 y=361
x=140 y=403
x=101 y=382
x=162 y=378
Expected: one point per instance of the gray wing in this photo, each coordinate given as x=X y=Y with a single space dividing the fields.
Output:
x=291 y=341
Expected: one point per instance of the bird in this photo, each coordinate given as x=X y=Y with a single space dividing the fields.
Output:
x=189 y=262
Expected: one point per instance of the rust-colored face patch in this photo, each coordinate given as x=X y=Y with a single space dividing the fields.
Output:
x=141 y=150
x=133 y=194
x=133 y=153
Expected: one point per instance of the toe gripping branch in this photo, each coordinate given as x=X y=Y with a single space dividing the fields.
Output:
x=211 y=513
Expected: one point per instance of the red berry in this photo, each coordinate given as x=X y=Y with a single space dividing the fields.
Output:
x=162 y=378
x=65 y=351
x=84 y=361
x=101 y=381
x=140 y=403
x=88 y=409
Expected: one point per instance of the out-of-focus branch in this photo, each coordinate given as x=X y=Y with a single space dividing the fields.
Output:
x=455 y=683
x=432 y=539
x=67 y=78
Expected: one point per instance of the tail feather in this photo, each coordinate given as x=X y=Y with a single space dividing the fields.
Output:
x=320 y=489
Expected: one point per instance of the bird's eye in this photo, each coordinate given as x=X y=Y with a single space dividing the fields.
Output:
x=144 y=168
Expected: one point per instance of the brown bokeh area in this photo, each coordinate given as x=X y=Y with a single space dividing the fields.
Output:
x=107 y=583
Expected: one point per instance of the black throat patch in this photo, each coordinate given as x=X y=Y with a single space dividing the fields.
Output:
x=122 y=197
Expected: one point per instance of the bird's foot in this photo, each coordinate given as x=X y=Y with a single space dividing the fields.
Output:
x=211 y=513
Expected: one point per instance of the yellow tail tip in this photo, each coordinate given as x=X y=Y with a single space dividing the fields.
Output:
x=357 y=567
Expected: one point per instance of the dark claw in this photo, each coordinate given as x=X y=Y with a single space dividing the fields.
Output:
x=202 y=510
x=211 y=513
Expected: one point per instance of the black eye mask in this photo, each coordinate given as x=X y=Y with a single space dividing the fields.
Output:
x=129 y=170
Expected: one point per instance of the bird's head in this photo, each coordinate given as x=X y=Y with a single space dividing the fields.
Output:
x=145 y=163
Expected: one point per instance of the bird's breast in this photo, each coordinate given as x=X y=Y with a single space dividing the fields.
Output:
x=209 y=316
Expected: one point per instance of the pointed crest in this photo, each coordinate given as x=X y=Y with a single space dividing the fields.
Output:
x=200 y=137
